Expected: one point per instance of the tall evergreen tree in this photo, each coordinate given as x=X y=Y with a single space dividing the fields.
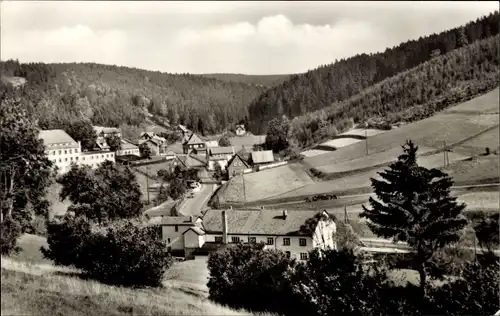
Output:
x=415 y=206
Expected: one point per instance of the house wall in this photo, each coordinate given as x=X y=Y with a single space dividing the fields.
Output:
x=324 y=235
x=199 y=147
x=93 y=159
x=237 y=167
x=155 y=149
x=63 y=155
x=294 y=248
x=222 y=164
x=174 y=239
x=193 y=240
x=134 y=151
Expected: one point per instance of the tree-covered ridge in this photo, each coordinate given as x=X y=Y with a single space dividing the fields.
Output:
x=112 y=95
x=263 y=80
x=412 y=95
x=338 y=81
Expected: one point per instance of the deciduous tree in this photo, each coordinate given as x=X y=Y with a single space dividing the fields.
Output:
x=145 y=151
x=83 y=131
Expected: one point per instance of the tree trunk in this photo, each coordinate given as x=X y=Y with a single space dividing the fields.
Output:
x=423 y=280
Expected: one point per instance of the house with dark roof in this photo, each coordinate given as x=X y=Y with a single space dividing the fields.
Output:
x=240 y=130
x=262 y=157
x=219 y=155
x=295 y=232
x=196 y=144
x=236 y=165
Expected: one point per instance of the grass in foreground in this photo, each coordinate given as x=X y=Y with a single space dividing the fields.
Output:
x=42 y=289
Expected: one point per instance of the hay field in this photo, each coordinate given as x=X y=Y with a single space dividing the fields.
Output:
x=477 y=145
x=485 y=104
x=474 y=170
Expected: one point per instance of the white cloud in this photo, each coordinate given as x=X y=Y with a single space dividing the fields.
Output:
x=198 y=37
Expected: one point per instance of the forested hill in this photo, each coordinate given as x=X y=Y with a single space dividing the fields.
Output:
x=409 y=96
x=336 y=82
x=114 y=96
x=263 y=80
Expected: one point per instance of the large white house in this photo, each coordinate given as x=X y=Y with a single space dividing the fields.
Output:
x=63 y=150
x=60 y=148
x=277 y=229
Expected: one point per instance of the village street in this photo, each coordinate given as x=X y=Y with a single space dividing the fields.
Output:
x=195 y=205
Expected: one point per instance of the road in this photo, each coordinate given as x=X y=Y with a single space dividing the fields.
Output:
x=195 y=205
x=362 y=198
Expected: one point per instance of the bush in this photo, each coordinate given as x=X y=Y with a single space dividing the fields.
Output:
x=11 y=230
x=248 y=276
x=121 y=253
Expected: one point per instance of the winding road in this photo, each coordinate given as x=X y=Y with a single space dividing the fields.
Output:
x=195 y=205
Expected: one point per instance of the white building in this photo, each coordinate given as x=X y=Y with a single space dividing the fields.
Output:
x=128 y=149
x=277 y=229
x=95 y=158
x=220 y=155
x=60 y=148
x=64 y=150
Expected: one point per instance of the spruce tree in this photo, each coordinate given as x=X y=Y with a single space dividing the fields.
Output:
x=415 y=206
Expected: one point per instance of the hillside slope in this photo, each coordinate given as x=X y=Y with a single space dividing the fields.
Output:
x=112 y=95
x=466 y=128
x=338 y=81
x=33 y=286
x=262 y=80
x=409 y=96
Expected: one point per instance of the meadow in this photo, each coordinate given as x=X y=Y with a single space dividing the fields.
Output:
x=31 y=285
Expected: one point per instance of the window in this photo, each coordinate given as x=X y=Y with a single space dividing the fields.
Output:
x=288 y=254
x=70 y=151
x=59 y=151
x=303 y=256
x=65 y=159
x=270 y=241
x=235 y=239
x=76 y=151
x=286 y=241
x=176 y=228
x=252 y=240
x=65 y=151
x=168 y=240
x=303 y=242
x=71 y=158
x=76 y=158
x=218 y=239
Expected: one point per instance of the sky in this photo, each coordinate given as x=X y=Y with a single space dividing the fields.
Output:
x=254 y=37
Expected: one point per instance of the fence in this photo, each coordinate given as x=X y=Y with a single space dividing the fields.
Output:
x=272 y=165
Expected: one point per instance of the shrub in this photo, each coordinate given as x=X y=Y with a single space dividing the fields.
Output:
x=121 y=253
x=248 y=276
x=11 y=230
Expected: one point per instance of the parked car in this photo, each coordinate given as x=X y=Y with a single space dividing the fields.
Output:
x=321 y=197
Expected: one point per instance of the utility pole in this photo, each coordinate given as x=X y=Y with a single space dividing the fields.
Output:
x=444 y=153
x=345 y=214
x=147 y=182
x=366 y=143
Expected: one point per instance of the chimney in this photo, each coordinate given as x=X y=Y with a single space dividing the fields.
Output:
x=285 y=213
x=224 y=227
x=191 y=218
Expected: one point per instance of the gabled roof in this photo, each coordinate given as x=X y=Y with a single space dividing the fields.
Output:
x=164 y=209
x=128 y=145
x=170 y=153
x=258 y=222
x=221 y=150
x=196 y=229
x=242 y=127
x=178 y=220
x=195 y=139
x=55 y=136
x=238 y=157
x=192 y=161
x=262 y=156
x=183 y=128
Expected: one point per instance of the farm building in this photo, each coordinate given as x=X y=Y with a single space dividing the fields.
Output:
x=263 y=157
x=236 y=166
x=220 y=155
x=294 y=232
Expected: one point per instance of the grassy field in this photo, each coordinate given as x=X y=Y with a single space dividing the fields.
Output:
x=474 y=170
x=477 y=145
x=31 y=285
x=456 y=124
